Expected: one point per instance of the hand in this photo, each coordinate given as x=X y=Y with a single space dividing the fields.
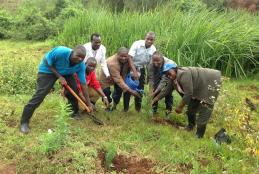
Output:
x=179 y=110
x=154 y=101
x=106 y=102
x=62 y=80
x=135 y=94
x=90 y=107
x=110 y=78
x=82 y=97
x=135 y=75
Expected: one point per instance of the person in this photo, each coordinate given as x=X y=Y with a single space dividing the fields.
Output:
x=199 y=88
x=59 y=63
x=96 y=49
x=119 y=65
x=94 y=88
x=141 y=52
x=160 y=83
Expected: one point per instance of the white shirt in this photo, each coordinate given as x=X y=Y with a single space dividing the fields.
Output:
x=141 y=55
x=99 y=55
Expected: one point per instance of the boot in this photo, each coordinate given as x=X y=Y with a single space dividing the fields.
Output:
x=191 y=122
x=24 y=128
x=200 y=131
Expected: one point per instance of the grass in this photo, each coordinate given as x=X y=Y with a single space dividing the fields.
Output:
x=227 y=41
x=128 y=133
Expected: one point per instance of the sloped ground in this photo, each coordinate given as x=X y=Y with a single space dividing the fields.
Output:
x=137 y=140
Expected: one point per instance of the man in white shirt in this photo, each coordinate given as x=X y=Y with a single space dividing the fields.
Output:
x=98 y=51
x=141 y=52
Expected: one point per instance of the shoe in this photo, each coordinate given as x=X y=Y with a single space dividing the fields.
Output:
x=114 y=106
x=24 y=128
x=76 y=116
x=189 y=127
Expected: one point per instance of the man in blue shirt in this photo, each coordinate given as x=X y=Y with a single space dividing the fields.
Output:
x=59 y=63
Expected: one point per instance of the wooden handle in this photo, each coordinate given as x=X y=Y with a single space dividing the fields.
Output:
x=77 y=97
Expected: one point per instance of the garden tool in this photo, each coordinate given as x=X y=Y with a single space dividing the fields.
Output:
x=92 y=116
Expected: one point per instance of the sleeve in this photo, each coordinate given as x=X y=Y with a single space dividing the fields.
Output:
x=50 y=57
x=133 y=49
x=117 y=78
x=78 y=83
x=104 y=64
x=187 y=86
x=81 y=74
x=94 y=83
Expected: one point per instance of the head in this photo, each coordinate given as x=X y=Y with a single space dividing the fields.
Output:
x=149 y=39
x=170 y=70
x=123 y=55
x=96 y=41
x=78 y=54
x=157 y=59
x=90 y=64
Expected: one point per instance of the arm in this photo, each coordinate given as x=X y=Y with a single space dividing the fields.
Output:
x=117 y=78
x=61 y=79
x=104 y=64
x=132 y=53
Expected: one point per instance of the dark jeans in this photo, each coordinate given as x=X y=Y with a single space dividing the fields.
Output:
x=45 y=82
x=204 y=113
x=116 y=95
x=138 y=100
x=168 y=103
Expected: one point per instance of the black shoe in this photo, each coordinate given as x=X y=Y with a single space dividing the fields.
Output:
x=24 y=128
x=76 y=116
x=189 y=127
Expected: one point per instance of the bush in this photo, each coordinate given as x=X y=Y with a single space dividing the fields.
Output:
x=225 y=41
x=6 y=22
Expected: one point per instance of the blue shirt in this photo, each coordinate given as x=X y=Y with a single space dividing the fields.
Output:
x=59 y=58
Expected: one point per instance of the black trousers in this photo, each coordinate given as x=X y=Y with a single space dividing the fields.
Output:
x=45 y=82
x=138 y=100
x=116 y=95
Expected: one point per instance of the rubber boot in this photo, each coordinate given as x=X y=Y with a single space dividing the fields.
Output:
x=191 y=122
x=200 y=131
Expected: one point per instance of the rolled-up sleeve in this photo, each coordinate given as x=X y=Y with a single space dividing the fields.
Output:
x=187 y=86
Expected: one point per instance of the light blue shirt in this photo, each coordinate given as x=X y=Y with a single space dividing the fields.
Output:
x=59 y=58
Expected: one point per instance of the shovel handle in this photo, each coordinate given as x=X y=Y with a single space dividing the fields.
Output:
x=77 y=97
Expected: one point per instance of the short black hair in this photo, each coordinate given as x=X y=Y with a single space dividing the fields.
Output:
x=122 y=49
x=91 y=59
x=158 y=54
x=94 y=35
x=80 y=49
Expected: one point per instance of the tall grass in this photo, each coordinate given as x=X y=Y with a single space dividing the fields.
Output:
x=227 y=41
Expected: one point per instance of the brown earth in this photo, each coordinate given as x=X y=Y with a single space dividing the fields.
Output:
x=7 y=168
x=128 y=165
x=162 y=121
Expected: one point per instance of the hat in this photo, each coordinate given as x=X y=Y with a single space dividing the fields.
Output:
x=169 y=66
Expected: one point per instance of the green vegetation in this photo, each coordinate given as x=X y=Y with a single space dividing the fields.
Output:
x=173 y=150
x=225 y=41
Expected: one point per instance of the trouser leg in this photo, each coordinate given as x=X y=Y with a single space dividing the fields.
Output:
x=138 y=100
x=45 y=83
x=126 y=101
x=204 y=114
x=191 y=113
x=107 y=92
x=116 y=94
x=71 y=99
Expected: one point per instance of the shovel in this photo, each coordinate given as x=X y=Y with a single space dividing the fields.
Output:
x=92 y=116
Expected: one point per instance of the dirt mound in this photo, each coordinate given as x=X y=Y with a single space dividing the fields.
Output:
x=128 y=165
x=177 y=125
x=7 y=168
